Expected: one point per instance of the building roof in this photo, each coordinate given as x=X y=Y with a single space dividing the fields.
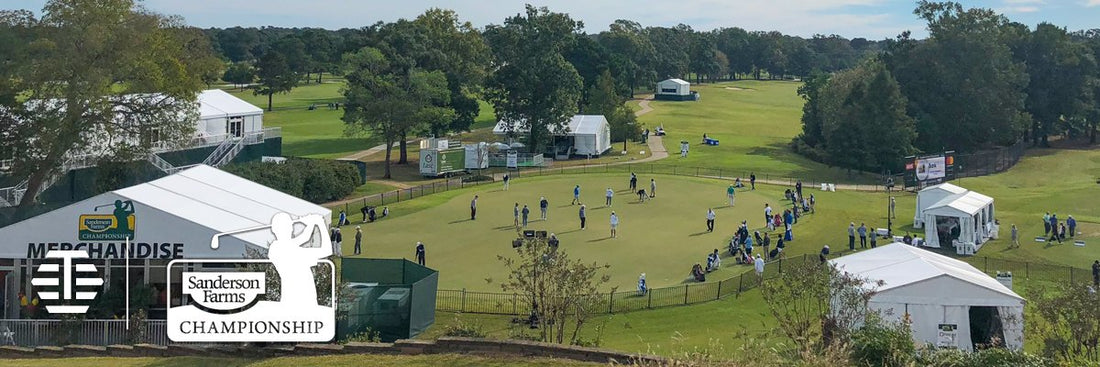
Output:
x=578 y=125
x=899 y=265
x=677 y=81
x=215 y=103
x=948 y=187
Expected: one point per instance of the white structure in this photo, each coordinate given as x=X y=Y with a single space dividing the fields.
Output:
x=587 y=134
x=949 y=302
x=222 y=113
x=674 y=86
x=955 y=216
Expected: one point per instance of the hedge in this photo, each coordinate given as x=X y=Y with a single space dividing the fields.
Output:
x=313 y=180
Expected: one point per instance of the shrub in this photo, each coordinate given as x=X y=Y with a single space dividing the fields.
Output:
x=365 y=336
x=478 y=178
x=464 y=330
x=986 y=357
x=879 y=343
x=313 y=180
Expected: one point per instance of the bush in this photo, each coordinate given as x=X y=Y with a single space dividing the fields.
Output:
x=366 y=336
x=464 y=330
x=985 y=357
x=879 y=343
x=478 y=178
x=313 y=180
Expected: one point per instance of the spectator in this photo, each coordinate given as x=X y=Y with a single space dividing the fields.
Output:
x=543 y=206
x=862 y=235
x=768 y=216
x=609 y=194
x=506 y=178
x=641 y=279
x=874 y=239
x=1061 y=232
x=365 y=210
x=759 y=263
x=633 y=181
x=515 y=215
x=525 y=213
x=1053 y=222
x=1096 y=273
x=798 y=188
x=385 y=211
x=767 y=241
x=1015 y=237
x=893 y=214
x=824 y=254
x=652 y=188
x=698 y=274
x=852 y=236
x=343 y=219
x=752 y=180
x=1072 y=223
x=553 y=241
x=614 y=224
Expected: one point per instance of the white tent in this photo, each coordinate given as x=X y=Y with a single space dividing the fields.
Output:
x=955 y=216
x=172 y=217
x=949 y=302
x=223 y=113
x=591 y=133
x=674 y=86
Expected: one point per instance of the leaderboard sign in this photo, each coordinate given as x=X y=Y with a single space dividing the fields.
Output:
x=929 y=169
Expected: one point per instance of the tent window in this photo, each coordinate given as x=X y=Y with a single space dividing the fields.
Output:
x=235 y=126
x=947 y=229
x=668 y=90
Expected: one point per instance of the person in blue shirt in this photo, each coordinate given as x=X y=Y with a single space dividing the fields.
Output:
x=862 y=235
x=1072 y=223
x=543 y=205
x=525 y=213
x=576 y=195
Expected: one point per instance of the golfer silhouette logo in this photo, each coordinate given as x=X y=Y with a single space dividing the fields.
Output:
x=225 y=305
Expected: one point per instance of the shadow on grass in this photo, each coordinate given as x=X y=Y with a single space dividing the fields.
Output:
x=600 y=239
x=699 y=233
x=460 y=221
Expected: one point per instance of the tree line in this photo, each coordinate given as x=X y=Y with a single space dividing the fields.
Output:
x=424 y=76
x=979 y=81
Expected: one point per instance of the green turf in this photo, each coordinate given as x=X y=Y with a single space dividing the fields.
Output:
x=663 y=237
x=754 y=126
x=373 y=360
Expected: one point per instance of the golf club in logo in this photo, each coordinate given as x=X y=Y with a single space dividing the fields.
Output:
x=226 y=304
x=63 y=278
x=118 y=225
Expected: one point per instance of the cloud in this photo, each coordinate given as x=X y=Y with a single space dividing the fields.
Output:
x=1018 y=2
x=1092 y=3
x=1021 y=9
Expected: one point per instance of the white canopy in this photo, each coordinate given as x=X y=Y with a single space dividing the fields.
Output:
x=934 y=290
x=180 y=212
x=674 y=86
x=952 y=215
x=217 y=103
x=591 y=133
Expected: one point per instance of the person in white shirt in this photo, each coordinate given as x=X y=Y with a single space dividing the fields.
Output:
x=652 y=188
x=768 y=216
x=614 y=224
x=759 y=263
x=710 y=220
x=610 y=193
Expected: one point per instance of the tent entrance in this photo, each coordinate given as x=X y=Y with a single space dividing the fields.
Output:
x=947 y=230
x=985 y=326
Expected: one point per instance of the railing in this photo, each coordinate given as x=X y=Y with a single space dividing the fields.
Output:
x=233 y=151
x=220 y=150
x=681 y=295
x=41 y=332
x=161 y=164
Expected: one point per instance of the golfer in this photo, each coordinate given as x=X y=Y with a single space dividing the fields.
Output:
x=506 y=178
x=752 y=180
x=768 y=216
x=610 y=193
x=852 y=236
x=614 y=224
x=358 y=240
x=525 y=213
x=729 y=193
x=652 y=188
x=710 y=220
x=473 y=208
x=543 y=205
x=582 y=214
x=1015 y=236
x=633 y=181
x=515 y=215
x=420 y=253
x=576 y=195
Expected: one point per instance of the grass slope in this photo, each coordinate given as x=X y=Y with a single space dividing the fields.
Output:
x=371 y=360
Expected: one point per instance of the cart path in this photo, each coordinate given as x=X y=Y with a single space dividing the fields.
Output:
x=366 y=153
x=656 y=146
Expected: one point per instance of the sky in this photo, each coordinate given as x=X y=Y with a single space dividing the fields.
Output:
x=872 y=19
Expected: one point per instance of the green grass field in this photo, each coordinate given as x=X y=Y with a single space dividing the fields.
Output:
x=753 y=120
x=663 y=237
x=336 y=360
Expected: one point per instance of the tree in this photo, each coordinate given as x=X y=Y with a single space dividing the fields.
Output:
x=602 y=100
x=864 y=120
x=1063 y=75
x=563 y=292
x=817 y=305
x=1091 y=38
x=631 y=53
x=274 y=76
x=458 y=49
x=534 y=88
x=1066 y=319
x=240 y=74
x=966 y=91
x=388 y=101
x=106 y=74
x=811 y=141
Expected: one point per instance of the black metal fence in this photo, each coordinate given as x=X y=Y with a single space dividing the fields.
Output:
x=681 y=295
x=990 y=161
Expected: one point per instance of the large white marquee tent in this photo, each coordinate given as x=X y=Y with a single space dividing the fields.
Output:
x=591 y=134
x=950 y=303
x=954 y=216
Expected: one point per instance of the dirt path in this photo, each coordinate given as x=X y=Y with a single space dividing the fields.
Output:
x=656 y=146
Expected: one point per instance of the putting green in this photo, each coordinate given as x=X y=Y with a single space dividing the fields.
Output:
x=662 y=237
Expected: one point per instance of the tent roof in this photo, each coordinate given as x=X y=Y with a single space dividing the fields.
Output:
x=218 y=103
x=970 y=203
x=216 y=199
x=677 y=81
x=899 y=265
x=578 y=125
x=950 y=188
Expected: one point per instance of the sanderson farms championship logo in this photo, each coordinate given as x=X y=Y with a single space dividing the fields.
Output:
x=118 y=225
